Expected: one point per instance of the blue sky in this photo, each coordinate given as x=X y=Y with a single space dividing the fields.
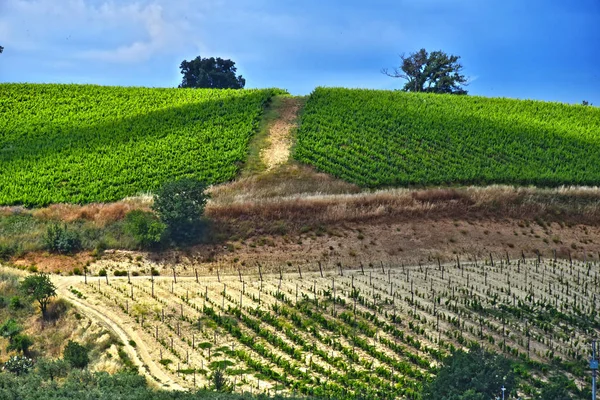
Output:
x=538 y=49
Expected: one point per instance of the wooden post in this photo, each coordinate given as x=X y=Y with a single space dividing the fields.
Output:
x=174 y=276
x=196 y=271
x=299 y=271
x=320 y=269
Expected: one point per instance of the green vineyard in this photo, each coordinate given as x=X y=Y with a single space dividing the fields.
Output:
x=84 y=143
x=379 y=331
x=383 y=138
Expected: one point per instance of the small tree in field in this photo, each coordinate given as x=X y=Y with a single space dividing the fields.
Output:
x=180 y=206
x=76 y=355
x=40 y=288
x=219 y=382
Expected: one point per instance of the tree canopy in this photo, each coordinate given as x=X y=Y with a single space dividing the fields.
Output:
x=435 y=72
x=473 y=375
x=212 y=73
x=180 y=206
x=40 y=288
x=1 y=49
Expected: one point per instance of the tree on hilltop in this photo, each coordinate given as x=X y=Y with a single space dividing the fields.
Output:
x=435 y=72
x=1 y=49
x=212 y=73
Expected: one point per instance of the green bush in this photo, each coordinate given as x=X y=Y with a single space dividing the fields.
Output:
x=180 y=206
x=61 y=240
x=8 y=250
x=145 y=227
x=15 y=303
x=20 y=343
x=102 y=272
x=18 y=365
x=76 y=355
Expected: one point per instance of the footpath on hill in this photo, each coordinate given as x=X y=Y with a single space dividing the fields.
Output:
x=280 y=140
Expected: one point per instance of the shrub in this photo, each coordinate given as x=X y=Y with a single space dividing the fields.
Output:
x=15 y=303
x=18 y=365
x=61 y=240
x=102 y=272
x=76 y=355
x=20 y=343
x=145 y=227
x=154 y=272
x=120 y=273
x=180 y=206
x=77 y=271
x=7 y=251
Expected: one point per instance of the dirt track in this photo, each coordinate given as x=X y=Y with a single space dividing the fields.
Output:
x=122 y=329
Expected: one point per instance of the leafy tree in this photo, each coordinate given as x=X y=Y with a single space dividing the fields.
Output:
x=20 y=343
x=586 y=103
x=10 y=328
x=435 y=72
x=210 y=73
x=40 y=288
x=50 y=369
x=18 y=365
x=180 y=206
x=76 y=355
x=145 y=228
x=1 y=49
x=473 y=375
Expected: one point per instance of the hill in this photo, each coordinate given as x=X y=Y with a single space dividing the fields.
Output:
x=85 y=143
x=383 y=138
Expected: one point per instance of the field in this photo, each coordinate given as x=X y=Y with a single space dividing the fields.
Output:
x=84 y=143
x=377 y=330
x=383 y=138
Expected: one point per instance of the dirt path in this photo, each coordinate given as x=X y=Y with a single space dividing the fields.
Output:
x=278 y=151
x=102 y=315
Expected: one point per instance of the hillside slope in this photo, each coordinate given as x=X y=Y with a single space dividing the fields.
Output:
x=383 y=138
x=85 y=143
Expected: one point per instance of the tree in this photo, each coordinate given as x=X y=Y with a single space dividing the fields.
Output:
x=586 y=103
x=76 y=355
x=219 y=382
x=50 y=369
x=180 y=206
x=1 y=49
x=145 y=228
x=473 y=375
x=210 y=73
x=40 y=288
x=435 y=72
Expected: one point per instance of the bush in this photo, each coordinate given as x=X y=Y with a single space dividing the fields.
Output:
x=61 y=240
x=76 y=355
x=120 y=273
x=15 y=303
x=145 y=227
x=102 y=272
x=20 y=343
x=18 y=365
x=180 y=206
x=154 y=272
x=7 y=251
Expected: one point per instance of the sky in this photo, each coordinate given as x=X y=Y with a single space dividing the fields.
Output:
x=530 y=49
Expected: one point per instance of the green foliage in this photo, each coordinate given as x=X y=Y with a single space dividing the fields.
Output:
x=219 y=381
x=180 y=206
x=473 y=375
x=61 y=240
x=10 y=328
x=18 y=365
x=383 y=138
x=7 y=250
x=51 y=369
x=40 y=288
x=210 y=73
x=76 y=355
x=85 y=143
x=435 y=72
x=558 y=388
x=145 y=227
x=20 y=343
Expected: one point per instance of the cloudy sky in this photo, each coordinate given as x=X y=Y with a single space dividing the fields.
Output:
x=539 y=49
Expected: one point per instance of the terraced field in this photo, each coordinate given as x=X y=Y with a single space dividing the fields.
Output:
x=383 y=138
x=85 y=143
x=375 y=330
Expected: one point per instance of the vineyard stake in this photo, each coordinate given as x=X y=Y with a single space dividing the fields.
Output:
x=128 y=277
x=299 y=271
x=320 y=269
x=174 y=276
x=196 y=272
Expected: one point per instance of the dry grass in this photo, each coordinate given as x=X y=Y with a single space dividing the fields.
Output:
x=566 y=204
